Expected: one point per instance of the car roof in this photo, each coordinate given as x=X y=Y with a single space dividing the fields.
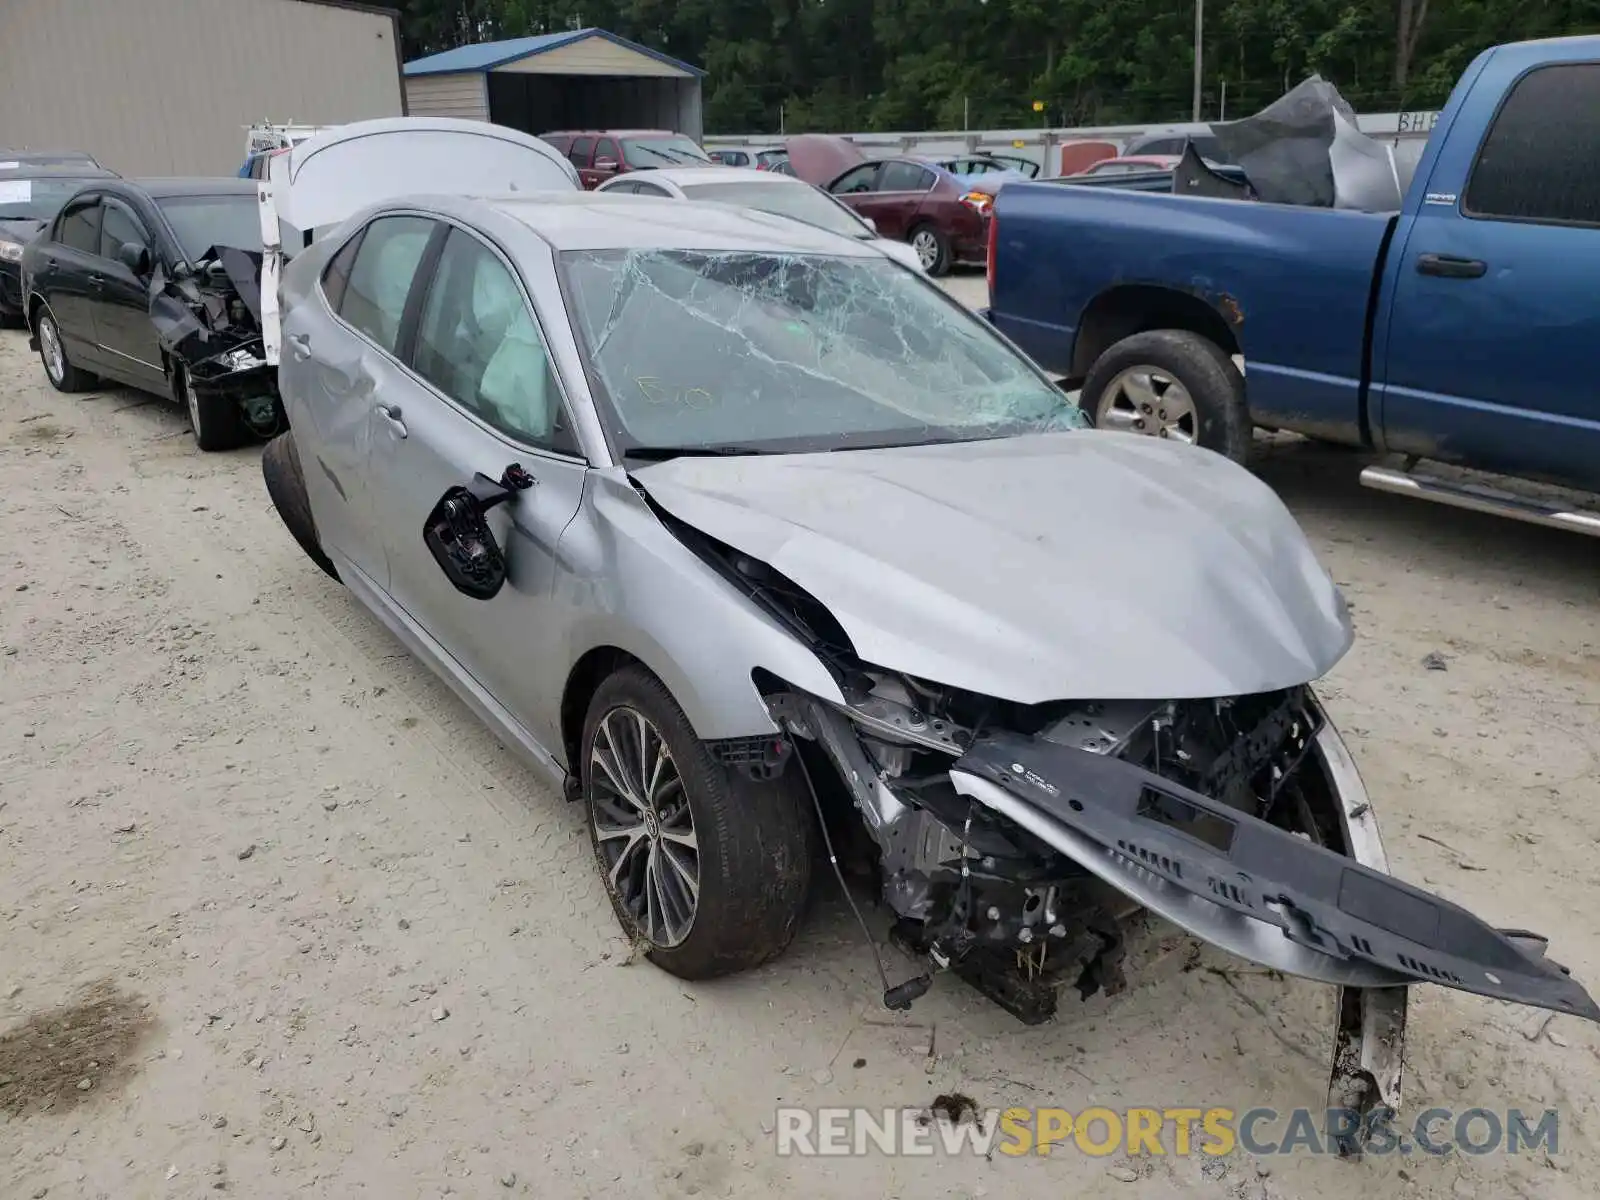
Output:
x=604 y=221
x=222 y=185
x=72 y=170
x=609 y=133
x=691 y=176
x=50 y=156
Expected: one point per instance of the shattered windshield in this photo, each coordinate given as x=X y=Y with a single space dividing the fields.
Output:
x=201 y=222
x=36 y=199
x=740 y=351
x=800 y=201
x=663 y=152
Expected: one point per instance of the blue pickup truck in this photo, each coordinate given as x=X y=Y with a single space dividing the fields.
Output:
x=1464 y=329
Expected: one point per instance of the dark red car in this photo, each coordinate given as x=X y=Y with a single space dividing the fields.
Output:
x=600 y=154
x=944 y=217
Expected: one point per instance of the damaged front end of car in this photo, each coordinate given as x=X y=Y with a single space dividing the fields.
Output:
x=1013 y=841
x=207 y=316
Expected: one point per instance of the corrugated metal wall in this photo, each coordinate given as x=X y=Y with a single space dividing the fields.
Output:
x=461 y=95
x=167 y=87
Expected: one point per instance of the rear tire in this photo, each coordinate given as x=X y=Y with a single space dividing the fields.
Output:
x=58 y=368
x=1127 y=385
x=932 y=247
x=748 y=845
x=216 y=420
x=286 y=484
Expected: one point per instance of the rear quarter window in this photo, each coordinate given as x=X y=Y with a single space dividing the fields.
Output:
x=1540 y=160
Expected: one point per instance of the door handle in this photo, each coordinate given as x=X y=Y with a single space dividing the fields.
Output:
x=300 y=346
x=391 y=414
x=96 y=280
x=1447 y=266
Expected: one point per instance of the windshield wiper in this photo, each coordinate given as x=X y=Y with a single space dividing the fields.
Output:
x=663 y=453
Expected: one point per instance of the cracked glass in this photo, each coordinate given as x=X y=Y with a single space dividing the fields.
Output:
x=759 y=351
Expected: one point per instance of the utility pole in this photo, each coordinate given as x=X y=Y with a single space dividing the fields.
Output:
x=1199 y=46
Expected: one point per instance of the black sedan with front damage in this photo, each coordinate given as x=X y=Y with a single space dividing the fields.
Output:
x=30 y=196
x=155 y=284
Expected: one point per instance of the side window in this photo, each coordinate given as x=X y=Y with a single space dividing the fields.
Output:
x=385 y=263
x=582 y=150
x=1539 y=159
x=337 y=275
x=119 y=225
x=80 y=227
x=857 y=181
x=650 y=189
x=905 y=177
x=607 y=149
x=479 y=344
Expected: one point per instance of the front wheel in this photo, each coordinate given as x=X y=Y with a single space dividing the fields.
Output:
x=707 y=870
x=1171 y=383
x=215 y=420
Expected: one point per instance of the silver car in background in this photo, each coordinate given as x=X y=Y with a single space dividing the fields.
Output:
x=743 y=534
x=782 y=195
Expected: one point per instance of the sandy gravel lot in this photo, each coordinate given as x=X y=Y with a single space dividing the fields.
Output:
x=345 y=947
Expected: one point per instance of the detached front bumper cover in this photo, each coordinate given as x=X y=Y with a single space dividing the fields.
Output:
x=1259 y=891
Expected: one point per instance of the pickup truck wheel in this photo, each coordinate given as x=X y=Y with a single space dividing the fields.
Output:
x=933 y=249
x=1171 y=383
x=707 y=869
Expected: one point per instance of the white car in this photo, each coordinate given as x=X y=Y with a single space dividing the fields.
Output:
x=783 y=195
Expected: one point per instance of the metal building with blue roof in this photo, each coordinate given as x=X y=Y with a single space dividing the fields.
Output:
x=578 y=79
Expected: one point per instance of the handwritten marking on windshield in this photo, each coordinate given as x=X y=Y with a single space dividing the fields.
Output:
x=655 y=392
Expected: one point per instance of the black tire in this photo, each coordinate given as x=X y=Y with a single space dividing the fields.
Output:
x=216 y=420
x=1201 y=367
x=286 y=484
x=754 y=840
x=69 y=378
x=941 y=246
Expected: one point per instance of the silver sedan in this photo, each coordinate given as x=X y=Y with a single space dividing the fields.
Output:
x=767 y=191
x=745 y=536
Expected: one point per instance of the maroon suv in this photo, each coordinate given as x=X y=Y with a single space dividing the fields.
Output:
x=944 y=217
x=601 y=153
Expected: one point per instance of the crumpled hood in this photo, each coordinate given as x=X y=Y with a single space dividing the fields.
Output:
x=1086 y=565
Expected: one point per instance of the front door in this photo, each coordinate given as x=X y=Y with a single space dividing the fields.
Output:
x=1491 y=340
x=894 y=202
x=340 y=370
x=484 y=396
x=122 y=302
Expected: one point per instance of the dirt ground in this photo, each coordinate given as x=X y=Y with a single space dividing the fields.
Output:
x=277 y=917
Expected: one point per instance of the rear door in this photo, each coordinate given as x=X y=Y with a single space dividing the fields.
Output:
x=483 y=394
x=65 y=278
x=1493 y=328
x=344 y=381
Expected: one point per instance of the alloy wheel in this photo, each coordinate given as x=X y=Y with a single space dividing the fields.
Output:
x=643 y=826
x=927 y=247
x=1149 y=401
